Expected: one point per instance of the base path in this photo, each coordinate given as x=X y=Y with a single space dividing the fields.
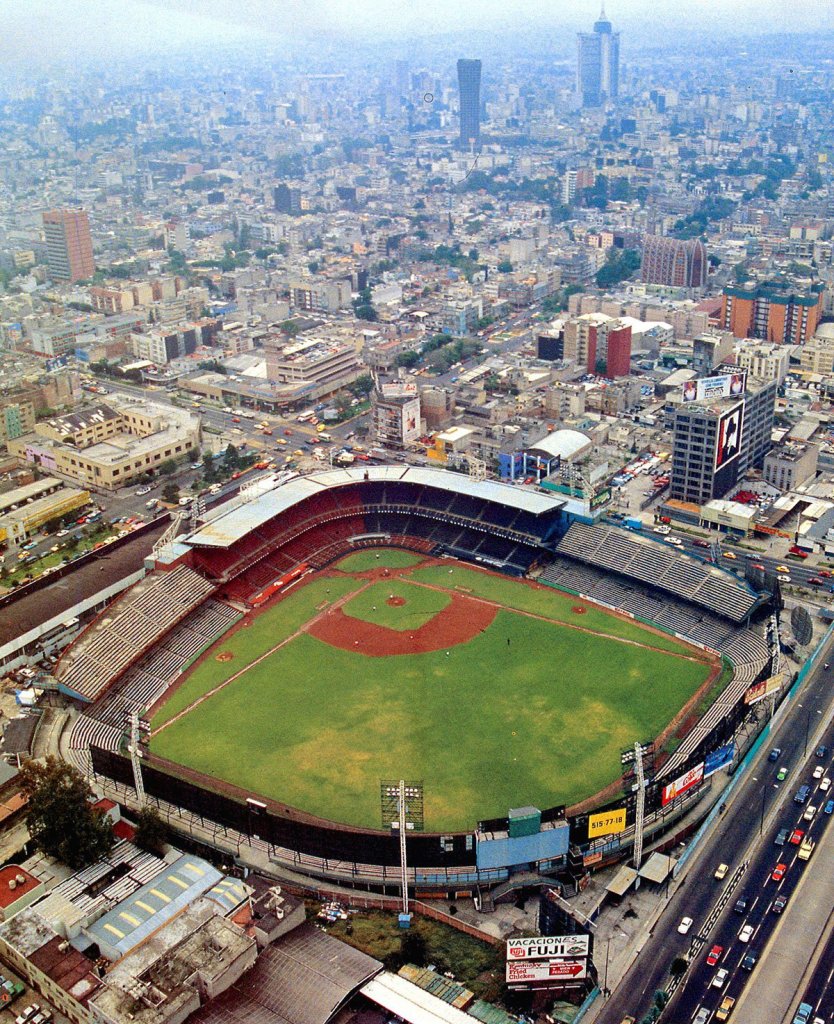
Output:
x=461 y=620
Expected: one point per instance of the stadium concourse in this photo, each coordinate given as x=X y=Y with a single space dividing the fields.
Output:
x=242 y=555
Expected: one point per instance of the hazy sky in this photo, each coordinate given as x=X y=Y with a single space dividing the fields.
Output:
x=38 y=29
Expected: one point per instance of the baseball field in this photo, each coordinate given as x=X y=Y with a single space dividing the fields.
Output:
x=494 y=692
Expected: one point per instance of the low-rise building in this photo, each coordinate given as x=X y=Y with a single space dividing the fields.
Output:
x=791 y=464
x=110 y=445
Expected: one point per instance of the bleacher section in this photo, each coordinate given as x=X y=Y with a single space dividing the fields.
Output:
x=144 y=683
x=128 y=628
x=659 y=565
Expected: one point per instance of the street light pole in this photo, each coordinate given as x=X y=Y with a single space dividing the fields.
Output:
x=761 y=821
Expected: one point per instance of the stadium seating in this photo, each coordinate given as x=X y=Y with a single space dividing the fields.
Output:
x=145 y=683
x=131 y=625
x=661 y=566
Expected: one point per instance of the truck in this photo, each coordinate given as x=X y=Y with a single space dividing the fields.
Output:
x=632 y=523
x=725 y=1009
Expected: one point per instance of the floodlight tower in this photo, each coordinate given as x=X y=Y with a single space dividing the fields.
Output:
x=640 y=811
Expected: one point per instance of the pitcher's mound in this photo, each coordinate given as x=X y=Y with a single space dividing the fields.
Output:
x=396 y=602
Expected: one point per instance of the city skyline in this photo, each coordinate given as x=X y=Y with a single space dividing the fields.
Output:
x=44 y=30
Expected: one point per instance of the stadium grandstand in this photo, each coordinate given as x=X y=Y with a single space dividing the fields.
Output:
x=129 y=627
x=315 y=519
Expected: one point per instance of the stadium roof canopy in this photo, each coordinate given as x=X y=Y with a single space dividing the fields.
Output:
x=233 y=524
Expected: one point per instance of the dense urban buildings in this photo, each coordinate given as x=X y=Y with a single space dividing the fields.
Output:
x=774 y=311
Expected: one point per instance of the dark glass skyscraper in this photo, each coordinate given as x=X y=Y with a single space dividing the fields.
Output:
x=598 y=64
x=469 y=86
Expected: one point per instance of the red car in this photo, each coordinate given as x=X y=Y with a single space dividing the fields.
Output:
x=796 y=836
x=826 y=574
x=815 y=581
x=714 y=955
x=757 y=565
x=779 y=872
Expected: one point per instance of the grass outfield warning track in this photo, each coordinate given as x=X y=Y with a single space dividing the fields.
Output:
x=527 y=712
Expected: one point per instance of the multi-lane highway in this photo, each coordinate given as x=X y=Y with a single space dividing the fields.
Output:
x=760 y=807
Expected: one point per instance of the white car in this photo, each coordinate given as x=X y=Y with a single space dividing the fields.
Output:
x=825 y=785
x=818 y=771
x=745 y=933
x=783 y=578
x=720 y=977
x=62 y=533
x=685 y=925
x=144 y=490
x=810 y=811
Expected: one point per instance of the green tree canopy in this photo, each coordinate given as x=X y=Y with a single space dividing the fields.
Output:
x=151 y=831
x=61 y=816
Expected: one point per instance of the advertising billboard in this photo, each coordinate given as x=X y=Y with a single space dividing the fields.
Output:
x=758 y=691
x=682 y=784
x=548 y=947
x=708 y=389
x=717 y=759
x=546 y=970
x=411 y=420
x=608 y=823
x=729 y=436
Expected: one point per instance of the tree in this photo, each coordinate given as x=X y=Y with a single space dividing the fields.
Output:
x=505 y=267
x=231 y=457
x=60 y=815
x=362 y=386
x=167 y=467
x=413 y=949
x=408 y=359
x=171 y=493
x=151 y=831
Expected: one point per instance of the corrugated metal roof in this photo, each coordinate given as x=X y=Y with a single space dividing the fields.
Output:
x=156 y=902
x=411 y=1003
x=236 y=523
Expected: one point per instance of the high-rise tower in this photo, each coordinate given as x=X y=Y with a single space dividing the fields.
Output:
x=469 y=87
x=69 y=247
x=598 y=64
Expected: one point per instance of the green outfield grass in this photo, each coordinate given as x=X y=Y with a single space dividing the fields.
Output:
x=378 y=558
x=266 y=630
x=527 y=712
x=421 y=605
x=554 y=604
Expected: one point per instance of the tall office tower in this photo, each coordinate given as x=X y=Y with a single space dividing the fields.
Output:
x=674 y=262
x=598 y=64
x=469 y=87
x=69 y=247
x=402 y=78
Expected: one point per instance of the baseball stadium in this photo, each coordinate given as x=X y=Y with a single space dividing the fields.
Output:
x=300 y=650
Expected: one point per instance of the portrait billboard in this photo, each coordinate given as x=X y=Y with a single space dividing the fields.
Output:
x=728 y=445
x=708 y=389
